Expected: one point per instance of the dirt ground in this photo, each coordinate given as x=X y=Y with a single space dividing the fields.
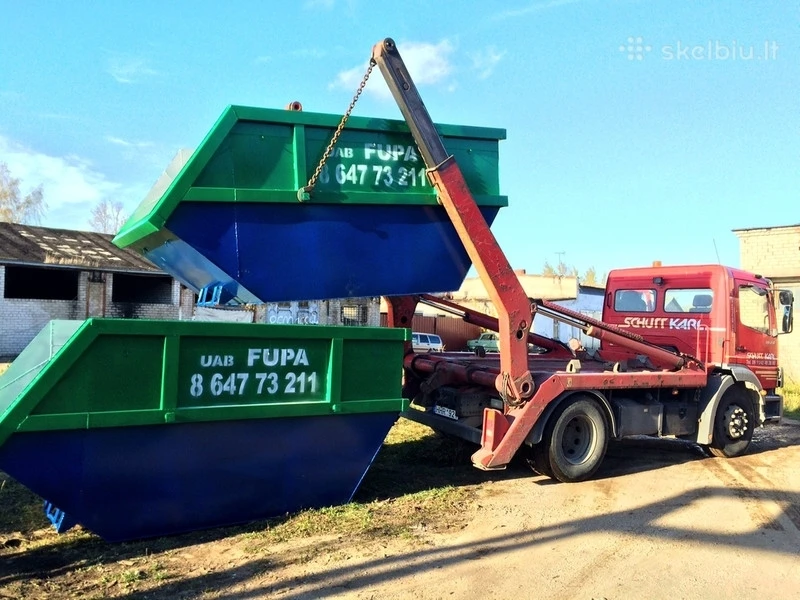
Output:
x=660 y=520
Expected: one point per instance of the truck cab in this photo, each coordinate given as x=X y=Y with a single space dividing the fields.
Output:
x=726 y=318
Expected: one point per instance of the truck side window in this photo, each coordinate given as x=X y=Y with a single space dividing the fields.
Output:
x=754 y=308
x=634 y=300
x=693 y=300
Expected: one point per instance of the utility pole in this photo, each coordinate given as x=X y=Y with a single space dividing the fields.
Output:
x=561 y=268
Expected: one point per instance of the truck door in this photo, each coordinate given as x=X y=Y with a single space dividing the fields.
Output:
x=755 y=343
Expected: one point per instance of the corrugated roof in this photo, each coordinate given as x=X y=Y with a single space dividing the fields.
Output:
x=66 y=248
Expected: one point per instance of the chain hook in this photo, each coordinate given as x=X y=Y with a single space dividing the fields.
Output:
x=304 y=193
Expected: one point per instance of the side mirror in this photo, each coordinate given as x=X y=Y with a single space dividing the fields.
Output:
x=786 y=322
x=786 y=300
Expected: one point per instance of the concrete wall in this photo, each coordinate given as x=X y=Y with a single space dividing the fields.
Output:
x=331 y=311
x=473 y=294
x=311 y=312
x=587 y=303
x=775 y=253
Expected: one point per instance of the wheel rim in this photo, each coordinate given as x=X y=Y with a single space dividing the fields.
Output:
x=578 y=440
x=736 y=422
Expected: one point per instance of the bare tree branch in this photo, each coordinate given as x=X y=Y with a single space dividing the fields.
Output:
x=107 y=216
x=16 y=208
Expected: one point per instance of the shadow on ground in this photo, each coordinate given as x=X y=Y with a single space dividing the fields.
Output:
x=383 y=569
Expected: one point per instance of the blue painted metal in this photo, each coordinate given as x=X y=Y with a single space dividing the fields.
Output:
x=135 y=482
x=61 y=522
x=216 y=294
x=281 y=252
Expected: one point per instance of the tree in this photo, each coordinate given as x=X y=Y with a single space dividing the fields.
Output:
x=560 y=270
x=108 y=216
x=16 y=208
x=590 y=277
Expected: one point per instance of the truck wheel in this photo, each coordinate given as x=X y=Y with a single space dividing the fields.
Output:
x=734 y=424
x=574 y=442
x=539 y=460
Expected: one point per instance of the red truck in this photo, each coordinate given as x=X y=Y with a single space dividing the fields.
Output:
x=685 y=351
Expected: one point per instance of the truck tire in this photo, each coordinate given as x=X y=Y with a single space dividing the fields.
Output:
x=539 y=460
x=734 y=423
x=574 y=441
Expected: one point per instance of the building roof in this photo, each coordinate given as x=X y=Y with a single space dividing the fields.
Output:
x=24 y=244
x=762 y=228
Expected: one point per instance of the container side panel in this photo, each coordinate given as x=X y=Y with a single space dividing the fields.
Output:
x=252 y=156
x=36 y=355
x=225 y=371
x=301 y=252
x=370 y=370
x=137 y=482
x=261 y=156
x=115 y=373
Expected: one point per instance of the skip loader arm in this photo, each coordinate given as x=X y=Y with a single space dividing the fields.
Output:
x=514 y=383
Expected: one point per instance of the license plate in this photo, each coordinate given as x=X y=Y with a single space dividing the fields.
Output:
x=444 y=411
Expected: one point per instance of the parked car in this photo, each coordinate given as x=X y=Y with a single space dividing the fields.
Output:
x=426 y=342
x=489 y=341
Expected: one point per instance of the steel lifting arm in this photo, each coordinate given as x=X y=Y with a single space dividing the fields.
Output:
x=514 y=382
x=488 y=322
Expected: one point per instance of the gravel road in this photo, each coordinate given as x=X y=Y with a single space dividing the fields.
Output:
x=661 y=520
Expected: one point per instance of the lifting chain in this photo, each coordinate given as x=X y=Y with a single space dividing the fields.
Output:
x=304 y=192
x=508 y=399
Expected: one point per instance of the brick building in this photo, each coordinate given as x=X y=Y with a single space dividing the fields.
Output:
x=48 y=274
x=775 y=253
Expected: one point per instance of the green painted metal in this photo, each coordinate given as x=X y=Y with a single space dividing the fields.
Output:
x=265 y=155
x=115 y=372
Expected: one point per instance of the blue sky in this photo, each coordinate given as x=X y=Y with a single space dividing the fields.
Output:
x=637 y=130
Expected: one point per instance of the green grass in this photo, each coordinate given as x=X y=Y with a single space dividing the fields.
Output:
x=21 y=509
x=420 y=481
x=791 y=402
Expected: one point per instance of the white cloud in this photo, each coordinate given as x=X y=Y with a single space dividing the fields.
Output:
x=428 y=64
x=486 y=60
x=71 y=185
x=129 y=69
x=117 y=141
